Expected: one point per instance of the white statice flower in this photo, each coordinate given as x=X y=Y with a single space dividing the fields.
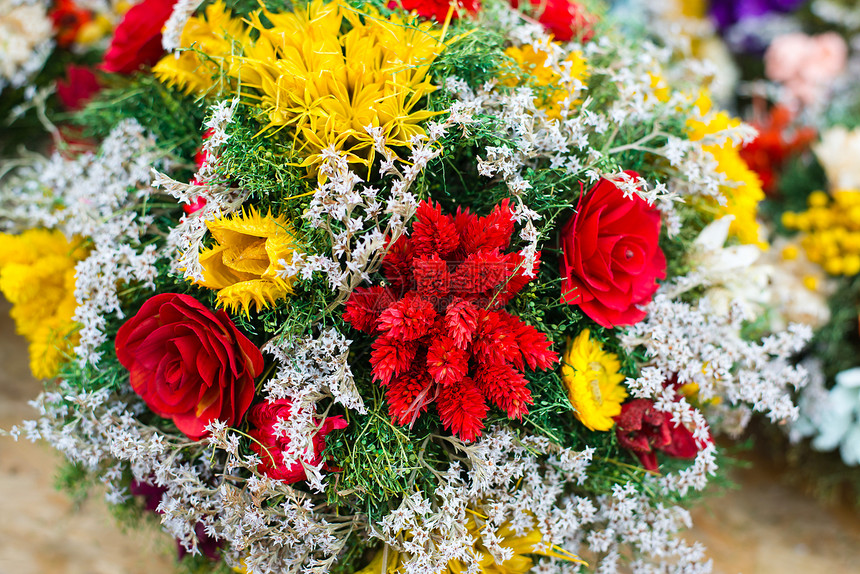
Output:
x=171 y=35
x=835 y=418
x=25 y=41
x=696 y=344
x=837 y=152
x=97 y=196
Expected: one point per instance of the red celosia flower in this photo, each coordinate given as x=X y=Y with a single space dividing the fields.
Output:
x=775 y=144
x=644 y=430
x=80 y=85
x=442 y=336
x=68 y=18
x=437 y=9
x=611 y=255
x=136 y=41
x=271 y=445
x=564 y=19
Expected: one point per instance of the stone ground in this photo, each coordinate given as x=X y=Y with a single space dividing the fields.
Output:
x=763 y=527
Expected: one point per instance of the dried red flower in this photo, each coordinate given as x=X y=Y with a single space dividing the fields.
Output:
x=271 y=445
x=644 y=430
x=441 y=334
x=136 y=41
x=612 y=257
x=188 y=363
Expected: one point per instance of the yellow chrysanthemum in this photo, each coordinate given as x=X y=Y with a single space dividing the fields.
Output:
x=37 y=275
x=831 y=232
x=219 y=36
x=552 y=88
x=745 y=193
x=328 y=86
x=250 y=249
x=519 y=563
x=593 y=382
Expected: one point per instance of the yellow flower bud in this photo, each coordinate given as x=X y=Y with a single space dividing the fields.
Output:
x=834 y=265
x=810 y=282
x=851 y=265
x=789 y=220
x=790 y=252
x=818 y=199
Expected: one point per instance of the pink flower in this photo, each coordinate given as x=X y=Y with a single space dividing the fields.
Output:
x=805 y=65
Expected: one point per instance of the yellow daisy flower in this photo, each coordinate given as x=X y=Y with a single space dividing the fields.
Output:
x=37 y=275
x=250 y=249
x=593 y=382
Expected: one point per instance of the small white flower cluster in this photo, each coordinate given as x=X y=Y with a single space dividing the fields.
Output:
x=264 y=524
x=509 y=486
x=26 y=41
x=309 y=370
x=185 y=239
x=693 y=344
x=96 y=196
x=171 y=35
x=360 y=220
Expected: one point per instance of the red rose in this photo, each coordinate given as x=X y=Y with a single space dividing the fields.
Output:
x=137 y=40
x=436 y=9
x=611 y=258
x=263 y=418
x=644 y=430
x=188 y=363
x=564 y=19
x=79 y=87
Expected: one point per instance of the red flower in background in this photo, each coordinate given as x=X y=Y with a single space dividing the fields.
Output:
x=611 y=255
x=136 y=41
x=564 y=19
x=441 y=334
x=79 y=87
x=68 y=19
x=270 y=444
x=775 y=144
x=436 y=9
x=644 y=430
x=189 y=364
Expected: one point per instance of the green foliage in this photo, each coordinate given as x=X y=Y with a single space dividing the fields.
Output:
x=801 y=176
x=380 y=461
x=173 y=118
x=837 y=344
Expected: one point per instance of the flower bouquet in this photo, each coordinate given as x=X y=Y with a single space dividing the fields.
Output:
x=397 y=287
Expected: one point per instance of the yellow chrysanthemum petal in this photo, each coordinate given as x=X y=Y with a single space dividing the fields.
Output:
x=593 y=382
x=37 y=275
x=243 y=263
x=745 y=191
x=210 y=43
